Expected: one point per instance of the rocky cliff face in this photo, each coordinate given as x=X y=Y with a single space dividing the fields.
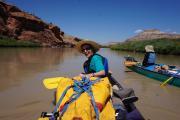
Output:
x=153 y=34
x=24 y=26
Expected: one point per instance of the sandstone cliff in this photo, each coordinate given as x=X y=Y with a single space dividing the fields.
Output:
x=21 y=25
x=153 y=34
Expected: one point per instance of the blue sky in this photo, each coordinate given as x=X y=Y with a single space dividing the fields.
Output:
x=106 y=20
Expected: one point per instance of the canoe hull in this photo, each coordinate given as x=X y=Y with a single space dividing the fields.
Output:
x=155 y=75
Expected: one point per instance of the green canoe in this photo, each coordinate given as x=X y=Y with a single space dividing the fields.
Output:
x=136 y=67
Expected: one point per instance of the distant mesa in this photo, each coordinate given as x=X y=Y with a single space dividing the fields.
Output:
x=24 y=26
x=153 y=34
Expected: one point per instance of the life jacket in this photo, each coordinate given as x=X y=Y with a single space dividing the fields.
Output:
x=86 y=65
x=151 y=58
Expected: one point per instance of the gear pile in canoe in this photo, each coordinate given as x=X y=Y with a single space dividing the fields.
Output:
x=86 y=99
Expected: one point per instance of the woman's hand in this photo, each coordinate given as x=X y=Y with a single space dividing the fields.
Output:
x=90 y=75
x=82 y=75
x=87 y=75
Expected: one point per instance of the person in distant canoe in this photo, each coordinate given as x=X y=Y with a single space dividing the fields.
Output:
x=97 y=66
x=150 y=56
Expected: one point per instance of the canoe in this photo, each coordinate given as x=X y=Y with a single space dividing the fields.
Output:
x=150 y=73
x=122 y=112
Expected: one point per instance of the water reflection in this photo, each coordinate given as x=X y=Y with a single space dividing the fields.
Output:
x=18 y=64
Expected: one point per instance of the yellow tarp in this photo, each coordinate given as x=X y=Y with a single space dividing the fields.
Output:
x=82 y=107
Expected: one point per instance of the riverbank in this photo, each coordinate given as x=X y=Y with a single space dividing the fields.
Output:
x=161 y=46
x=10 y=42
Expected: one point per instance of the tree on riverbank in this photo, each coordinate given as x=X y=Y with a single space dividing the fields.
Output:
x=10 y=42
x=161 y=46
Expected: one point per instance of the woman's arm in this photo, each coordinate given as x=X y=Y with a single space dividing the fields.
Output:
x=97 y=74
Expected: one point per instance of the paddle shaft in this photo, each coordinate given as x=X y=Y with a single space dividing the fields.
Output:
x=113 y=81
x=166 y=81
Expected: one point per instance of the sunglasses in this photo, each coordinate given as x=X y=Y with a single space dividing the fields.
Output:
x=86 y=48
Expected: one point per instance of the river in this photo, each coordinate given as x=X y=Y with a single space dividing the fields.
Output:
x=23 y=96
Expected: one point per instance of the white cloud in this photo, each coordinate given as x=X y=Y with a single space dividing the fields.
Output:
x=138 y=31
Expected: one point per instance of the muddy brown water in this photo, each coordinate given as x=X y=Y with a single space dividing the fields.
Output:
x=23 y=96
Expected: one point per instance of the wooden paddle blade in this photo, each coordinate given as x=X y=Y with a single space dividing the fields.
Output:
x=129 y=63
x=52 y=83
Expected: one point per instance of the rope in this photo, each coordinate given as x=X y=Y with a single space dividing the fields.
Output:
x=59 y=102
x=79 y=87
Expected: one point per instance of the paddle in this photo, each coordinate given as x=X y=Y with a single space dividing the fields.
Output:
x=129 y=63
x=169 y=79
x=52 y=83
x=166 y=81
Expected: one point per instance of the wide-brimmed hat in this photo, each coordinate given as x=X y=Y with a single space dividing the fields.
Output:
x=149 y=48
x=93 y=44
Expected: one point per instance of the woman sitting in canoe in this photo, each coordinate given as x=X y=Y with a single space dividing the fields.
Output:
x=150 y=56
x=93 y=67
x=97 y=66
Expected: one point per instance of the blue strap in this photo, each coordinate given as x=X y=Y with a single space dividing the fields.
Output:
x=79 y=87
x=93 y=103
x=85 y=86
x=106 y=67
x=85 y=69
x=59 y=102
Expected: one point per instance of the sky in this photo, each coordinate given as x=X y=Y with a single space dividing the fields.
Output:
x=106 y=21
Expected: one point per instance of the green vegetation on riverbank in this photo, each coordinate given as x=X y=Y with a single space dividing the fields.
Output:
x=10 y=42
x=161 y=46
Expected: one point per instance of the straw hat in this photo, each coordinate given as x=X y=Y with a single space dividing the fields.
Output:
x=95 y=46
x=149 y=48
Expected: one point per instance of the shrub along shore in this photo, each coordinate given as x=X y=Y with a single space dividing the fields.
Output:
x=10 y=42
x=161 y=46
